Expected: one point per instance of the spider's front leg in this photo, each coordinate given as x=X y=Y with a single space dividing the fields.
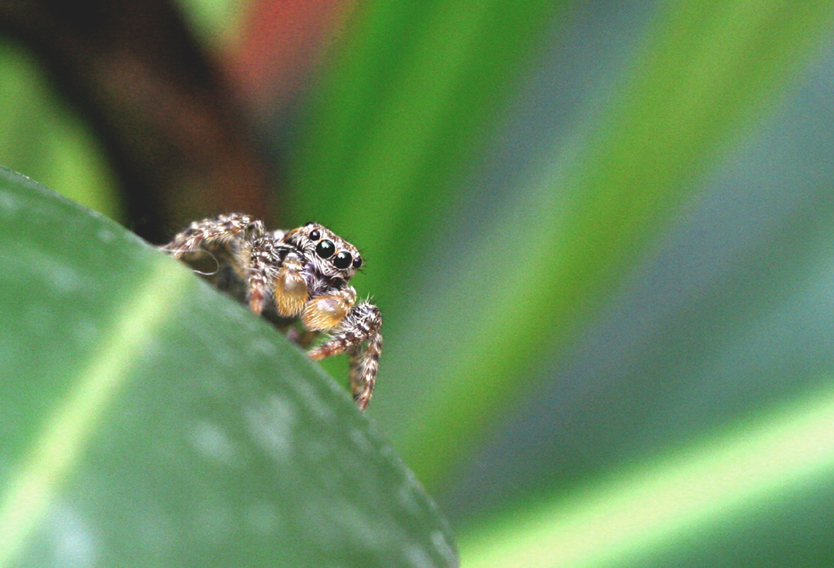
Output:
x=361 y=325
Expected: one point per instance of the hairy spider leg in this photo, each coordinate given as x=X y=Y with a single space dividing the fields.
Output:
x=362 y=324
x=215 y=232
x=260 y=270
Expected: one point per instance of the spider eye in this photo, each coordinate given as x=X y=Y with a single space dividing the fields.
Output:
x=357 y=262
x=325 y=249
x=343 y=260
x=315 y=235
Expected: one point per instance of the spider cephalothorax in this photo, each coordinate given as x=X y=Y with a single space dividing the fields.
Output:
x=298 y=275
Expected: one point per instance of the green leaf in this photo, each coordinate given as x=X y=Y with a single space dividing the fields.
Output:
x=150 y=421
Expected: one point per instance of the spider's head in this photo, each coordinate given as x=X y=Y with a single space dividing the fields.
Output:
x=330 y=255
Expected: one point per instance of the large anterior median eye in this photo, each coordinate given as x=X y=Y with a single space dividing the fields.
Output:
x=325 y=249
x=343 y=260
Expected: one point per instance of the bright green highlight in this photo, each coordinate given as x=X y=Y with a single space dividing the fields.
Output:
x=74 y=423
x=636 y=513
x=216 y=22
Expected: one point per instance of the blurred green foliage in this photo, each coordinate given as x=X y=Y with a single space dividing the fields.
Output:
x=600 y=236
x=42 y=135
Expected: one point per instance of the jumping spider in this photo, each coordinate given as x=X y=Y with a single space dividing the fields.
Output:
x=298 y=275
